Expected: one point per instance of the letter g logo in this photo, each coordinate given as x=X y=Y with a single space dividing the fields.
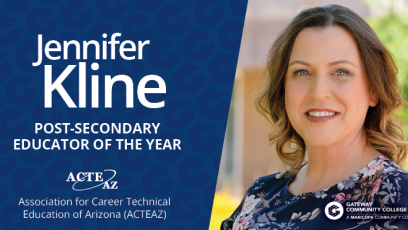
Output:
x=334 y=210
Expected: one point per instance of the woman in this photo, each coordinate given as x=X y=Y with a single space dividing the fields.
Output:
x=331 y=90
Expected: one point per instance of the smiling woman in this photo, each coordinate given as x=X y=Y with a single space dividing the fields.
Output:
x=331 y=90
x=326 y=90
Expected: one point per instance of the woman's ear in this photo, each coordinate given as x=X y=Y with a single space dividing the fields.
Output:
x=373 y=98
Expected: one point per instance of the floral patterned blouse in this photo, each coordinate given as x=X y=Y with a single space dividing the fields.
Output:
x=268 y=204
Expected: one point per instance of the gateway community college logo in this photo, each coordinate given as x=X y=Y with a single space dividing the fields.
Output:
x=334 y=210
x=92 y=180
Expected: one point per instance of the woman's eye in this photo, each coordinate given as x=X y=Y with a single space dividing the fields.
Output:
x=340 y=72
x=302 y=72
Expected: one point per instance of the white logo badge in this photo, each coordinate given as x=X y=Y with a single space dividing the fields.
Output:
x=334 y=210
x=83 y=177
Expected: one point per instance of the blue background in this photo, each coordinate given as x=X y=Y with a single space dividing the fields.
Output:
x=193 y=46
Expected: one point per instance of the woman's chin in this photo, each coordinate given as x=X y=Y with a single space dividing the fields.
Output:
x=320 y=140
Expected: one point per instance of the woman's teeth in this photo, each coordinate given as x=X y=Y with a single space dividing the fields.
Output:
x=321 y=114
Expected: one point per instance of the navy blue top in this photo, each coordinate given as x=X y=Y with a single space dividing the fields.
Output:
x=269 y=205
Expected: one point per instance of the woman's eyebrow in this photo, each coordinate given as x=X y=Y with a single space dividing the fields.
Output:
x=330 y=64
x=300 y=62
x=341 y=61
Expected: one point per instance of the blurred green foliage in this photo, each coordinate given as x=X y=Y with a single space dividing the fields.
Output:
x=392 y=30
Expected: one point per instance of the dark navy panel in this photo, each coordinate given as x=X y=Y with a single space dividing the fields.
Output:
x=193 y=46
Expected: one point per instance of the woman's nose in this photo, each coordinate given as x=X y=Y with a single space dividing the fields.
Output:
x=320 y=88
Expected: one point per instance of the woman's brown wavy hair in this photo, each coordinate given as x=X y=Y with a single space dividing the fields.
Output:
x=383 y=133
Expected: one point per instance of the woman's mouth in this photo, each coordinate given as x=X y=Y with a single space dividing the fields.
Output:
x=320 y=115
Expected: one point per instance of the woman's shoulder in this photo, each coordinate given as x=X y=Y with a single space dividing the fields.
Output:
x=270 y=181
x=391 y=191
x=392 y=172
x=382 y=169
x=255 y=195
x=392 y=185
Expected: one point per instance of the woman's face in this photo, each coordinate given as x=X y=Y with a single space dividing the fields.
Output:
x=326 y=90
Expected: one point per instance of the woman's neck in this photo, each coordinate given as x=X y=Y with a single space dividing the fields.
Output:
x=330 y=165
